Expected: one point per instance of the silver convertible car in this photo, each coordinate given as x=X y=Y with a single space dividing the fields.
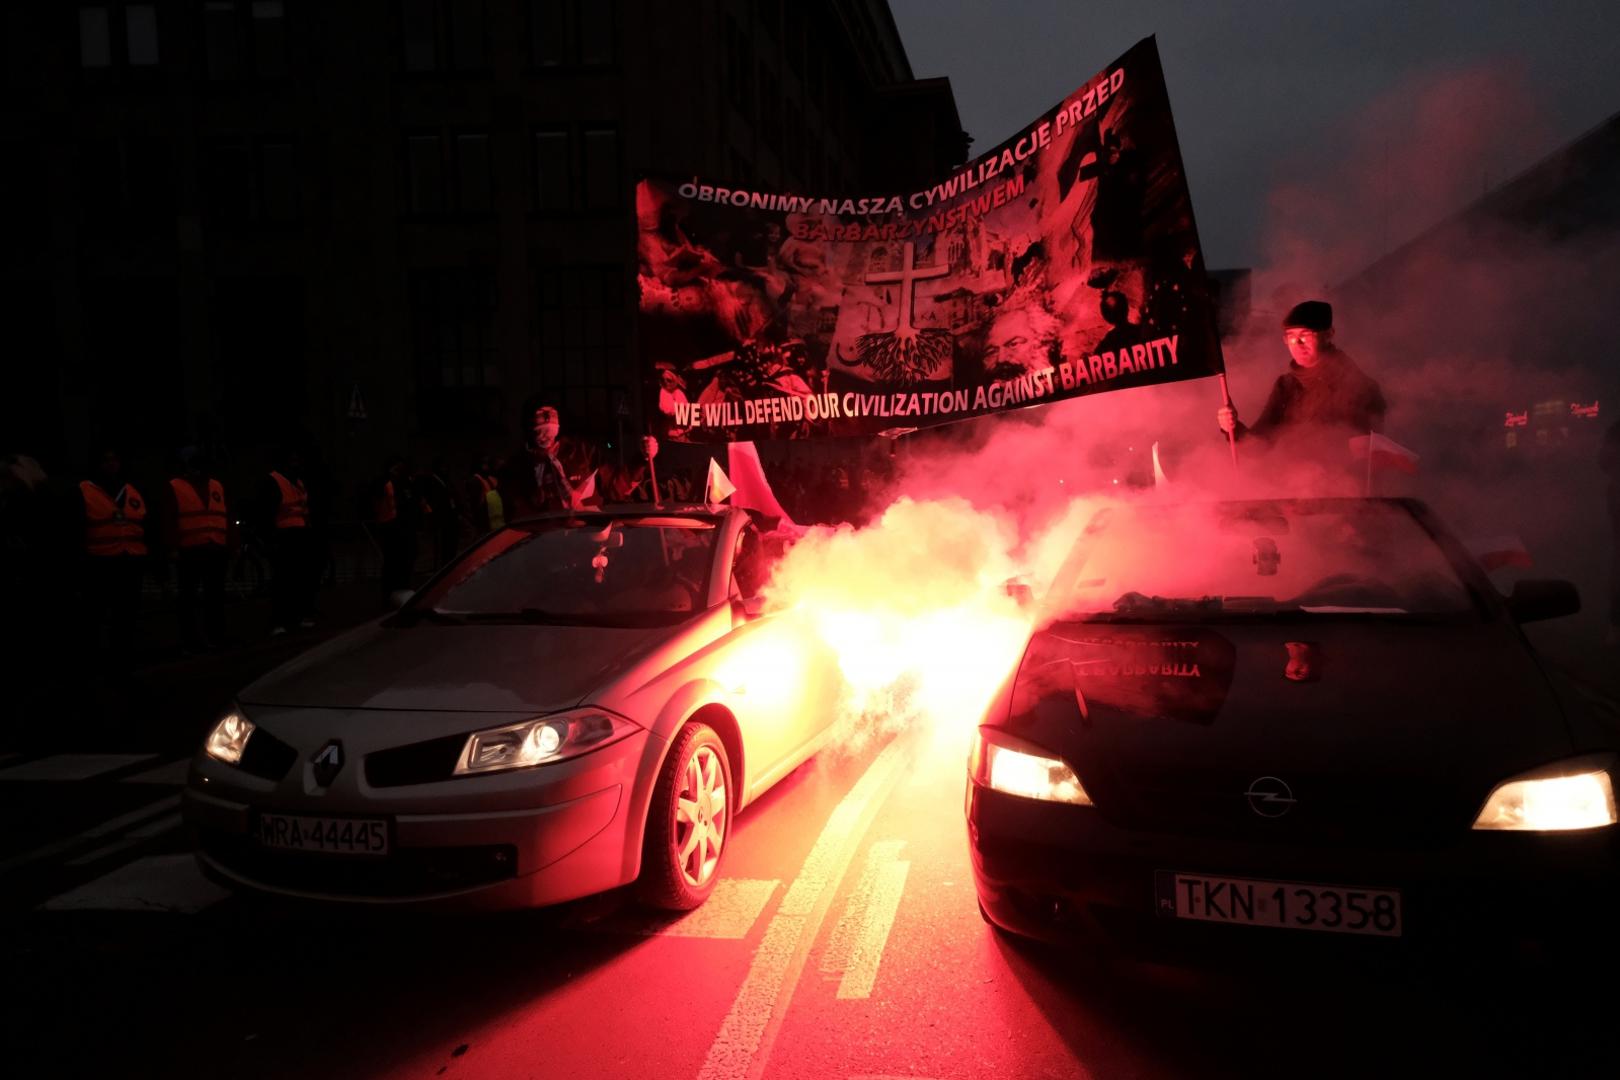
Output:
x=576 y=703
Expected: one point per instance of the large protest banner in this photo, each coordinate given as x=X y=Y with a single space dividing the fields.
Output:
x=1063 y=262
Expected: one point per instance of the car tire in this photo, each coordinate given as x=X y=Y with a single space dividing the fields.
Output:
x=688 y=823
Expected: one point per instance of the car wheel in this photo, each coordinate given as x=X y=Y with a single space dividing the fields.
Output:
x=688 y=823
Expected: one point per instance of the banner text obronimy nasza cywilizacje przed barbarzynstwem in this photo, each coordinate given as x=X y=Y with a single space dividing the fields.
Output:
x=1063 y=262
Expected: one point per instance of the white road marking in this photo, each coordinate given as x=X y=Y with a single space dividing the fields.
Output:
x=856 y=948
x=742 y=1047
x=169 y=883
x=73 y=766
x=841 y=942
x=133 y=838
x=106 y=828
x=172 y=773
x=729 y=913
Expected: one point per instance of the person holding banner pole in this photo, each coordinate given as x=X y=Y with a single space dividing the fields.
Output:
x=1322 y=388
x=557 y=472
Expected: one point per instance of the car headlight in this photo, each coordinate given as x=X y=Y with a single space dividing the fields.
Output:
x=1003 y=763
x=540 y=741
x=1579 y=795
x=229 y=737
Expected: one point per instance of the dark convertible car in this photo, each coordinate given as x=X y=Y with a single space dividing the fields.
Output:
x=1318 y=715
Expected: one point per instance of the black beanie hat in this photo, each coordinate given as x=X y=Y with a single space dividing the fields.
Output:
x=1310 y=315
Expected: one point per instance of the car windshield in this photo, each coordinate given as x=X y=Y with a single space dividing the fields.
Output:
x=1226 y=560
x=601 y=571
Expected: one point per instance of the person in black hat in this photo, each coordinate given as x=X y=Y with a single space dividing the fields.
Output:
x=1322 y=388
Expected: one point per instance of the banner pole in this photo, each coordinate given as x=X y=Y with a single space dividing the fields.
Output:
x=652 y=472
x=1231 y=436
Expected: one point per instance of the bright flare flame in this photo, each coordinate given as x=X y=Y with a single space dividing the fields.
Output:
x=915 y=610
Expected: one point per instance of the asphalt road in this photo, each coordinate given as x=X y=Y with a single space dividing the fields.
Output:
x=844 y=941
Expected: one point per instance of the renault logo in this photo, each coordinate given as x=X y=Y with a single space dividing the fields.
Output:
x=1270 y=797
x=328 y=762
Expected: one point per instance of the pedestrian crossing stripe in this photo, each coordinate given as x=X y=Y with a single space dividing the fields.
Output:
x=64 y=767
x=158 y=883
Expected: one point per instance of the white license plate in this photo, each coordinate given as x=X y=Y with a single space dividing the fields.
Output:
x=324 y=835
x=1337 y=909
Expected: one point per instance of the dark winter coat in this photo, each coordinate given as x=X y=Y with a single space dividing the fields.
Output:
x=1334 y=393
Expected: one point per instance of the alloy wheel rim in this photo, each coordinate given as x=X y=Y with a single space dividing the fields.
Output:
x=700 y=817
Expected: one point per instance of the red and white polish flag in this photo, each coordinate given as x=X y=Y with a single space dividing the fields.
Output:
x=1386 y=453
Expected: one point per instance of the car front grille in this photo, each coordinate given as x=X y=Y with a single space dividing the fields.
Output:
x=400 y=875
x=417 y=763
x=1331 y=809
x=266 y=756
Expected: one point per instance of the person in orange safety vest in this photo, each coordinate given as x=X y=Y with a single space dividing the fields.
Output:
x=198 y=532
x=114 y=517
x=293 y=569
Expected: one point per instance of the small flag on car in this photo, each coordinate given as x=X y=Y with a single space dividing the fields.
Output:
x=719 y=486
x=1496 y=552
x=1386 y=453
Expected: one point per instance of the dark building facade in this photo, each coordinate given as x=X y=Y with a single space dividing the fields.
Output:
x=1518 y=286
x=387 y=223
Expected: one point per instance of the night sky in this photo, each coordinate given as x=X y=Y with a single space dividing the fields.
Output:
x=1270 y=94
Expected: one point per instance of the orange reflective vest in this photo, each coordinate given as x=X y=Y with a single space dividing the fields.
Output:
x=199 y=524
x=293 y=510
x=111 y=529
x=386 y=511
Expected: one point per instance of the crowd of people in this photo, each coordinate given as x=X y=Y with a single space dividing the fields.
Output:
x=97 y=554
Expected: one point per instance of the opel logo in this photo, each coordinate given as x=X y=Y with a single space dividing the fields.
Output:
x=328 y=762
x=1270 y=797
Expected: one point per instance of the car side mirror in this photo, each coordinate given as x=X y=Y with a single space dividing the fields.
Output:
x=748 y=608
x=1533 y=600
x=399 y=598
x=1020 y=591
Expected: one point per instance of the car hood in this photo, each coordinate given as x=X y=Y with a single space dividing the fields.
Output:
x=1390 y=733
x=462 y=668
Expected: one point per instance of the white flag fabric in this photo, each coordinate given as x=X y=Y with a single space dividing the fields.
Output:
x=719 y=486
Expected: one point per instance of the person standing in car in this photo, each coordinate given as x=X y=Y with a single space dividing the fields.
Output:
x=558 y=472
x=1322 y=391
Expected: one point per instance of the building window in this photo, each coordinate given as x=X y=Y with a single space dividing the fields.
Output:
x=118 y=36
x=551 y=180
x=245 y=39
x=571 y=33
x=141 y=35
x=601 y=169
x=95 y=38
x=461 y=183
x=424 y=164
x=250 y=179
x=581 y=346
x=443 y=35
x=417 y=32
x=453 y=338
x=222 y=40
x=126 y=181
x=268 y=26
x=278 y=173
x=473 y=174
